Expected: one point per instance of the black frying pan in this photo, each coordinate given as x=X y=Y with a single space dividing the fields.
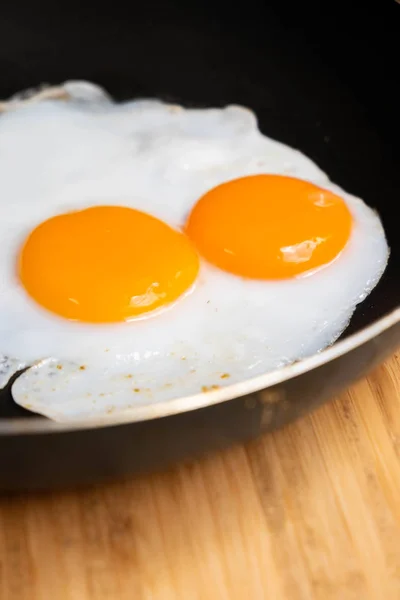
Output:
x=319 y=77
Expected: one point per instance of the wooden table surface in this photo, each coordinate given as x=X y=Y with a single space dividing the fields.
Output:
x=309 y=512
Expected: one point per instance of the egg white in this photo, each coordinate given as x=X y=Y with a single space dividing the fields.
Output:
x=59 y=156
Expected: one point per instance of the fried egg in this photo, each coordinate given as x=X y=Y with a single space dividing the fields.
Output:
x=151 y=252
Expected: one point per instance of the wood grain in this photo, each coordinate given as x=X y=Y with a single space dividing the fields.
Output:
x=310 y=512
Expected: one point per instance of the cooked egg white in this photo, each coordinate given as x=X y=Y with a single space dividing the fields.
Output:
x=67 y=155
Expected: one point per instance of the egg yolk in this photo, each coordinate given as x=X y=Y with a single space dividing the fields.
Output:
x=269 y=226
x=106 y=264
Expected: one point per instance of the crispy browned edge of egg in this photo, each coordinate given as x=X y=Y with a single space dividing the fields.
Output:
x=32 y=96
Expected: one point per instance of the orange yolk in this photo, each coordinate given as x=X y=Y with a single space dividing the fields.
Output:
x=269 y=226
x=106 y=264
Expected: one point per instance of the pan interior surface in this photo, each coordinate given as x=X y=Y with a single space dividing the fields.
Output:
x=330 y=100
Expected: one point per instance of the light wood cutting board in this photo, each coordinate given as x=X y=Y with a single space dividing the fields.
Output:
x=310 y=512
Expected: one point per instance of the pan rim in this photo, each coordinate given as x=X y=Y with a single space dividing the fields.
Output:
x=41 y=425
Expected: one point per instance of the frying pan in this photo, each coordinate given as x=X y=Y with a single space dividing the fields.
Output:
x=318 y=79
